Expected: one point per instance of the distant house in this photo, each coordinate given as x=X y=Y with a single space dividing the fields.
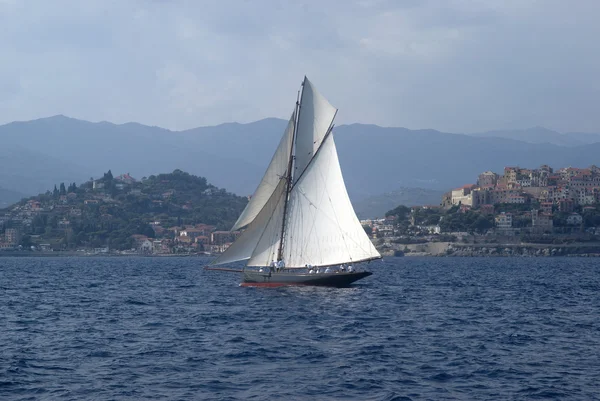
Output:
x=541 y=222
x=146 y=247
x=504 y=221
x=126 y=179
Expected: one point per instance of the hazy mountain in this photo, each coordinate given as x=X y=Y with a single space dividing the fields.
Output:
x=37 y=154
x=30 y=172
x=544 y=135
x=138 y=149
x=8 y=197
x=376 y=206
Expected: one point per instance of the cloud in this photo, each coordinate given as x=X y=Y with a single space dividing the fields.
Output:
x=457 y=65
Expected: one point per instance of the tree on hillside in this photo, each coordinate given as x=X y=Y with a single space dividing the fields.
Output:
x=55 y=192
x=401 y=211
x=63 y=190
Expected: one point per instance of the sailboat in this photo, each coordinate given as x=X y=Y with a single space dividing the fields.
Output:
x=299 y=226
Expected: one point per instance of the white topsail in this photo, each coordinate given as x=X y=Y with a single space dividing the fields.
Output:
x=276 y=170
x=308 y=209
x=314 y=119
x=322 y=228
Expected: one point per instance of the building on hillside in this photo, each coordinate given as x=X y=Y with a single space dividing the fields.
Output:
x=566 y=205
x=463 y=195
x=146 y=247
x=504 y=221
x=546 y=207
x=126 y=179
x=541 y=222
x=12 y=236
x=487 y=179
x=516 y=199
x=511 y=174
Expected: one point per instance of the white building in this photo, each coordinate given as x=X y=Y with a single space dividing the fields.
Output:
x=146 y=246
x=504 y=221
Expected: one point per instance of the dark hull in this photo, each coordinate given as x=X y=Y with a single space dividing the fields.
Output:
x=257 y=279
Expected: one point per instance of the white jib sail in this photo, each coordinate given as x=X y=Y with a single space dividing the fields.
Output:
x=244 y=247
x=277 y=169
x=267 y=248
x=314 y=119
x=321 y=226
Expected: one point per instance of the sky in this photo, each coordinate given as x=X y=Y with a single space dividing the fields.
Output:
x=452 y=65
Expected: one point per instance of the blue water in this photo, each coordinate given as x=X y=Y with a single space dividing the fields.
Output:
x=419 y=328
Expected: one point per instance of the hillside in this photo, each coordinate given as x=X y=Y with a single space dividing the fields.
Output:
x=110 y=210
x=374 y=159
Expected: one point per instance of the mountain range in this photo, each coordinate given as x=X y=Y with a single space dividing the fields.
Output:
x=36 y=155
x=544 y=135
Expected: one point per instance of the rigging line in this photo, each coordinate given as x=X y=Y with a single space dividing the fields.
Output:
x=333 y=220
x=314 y=221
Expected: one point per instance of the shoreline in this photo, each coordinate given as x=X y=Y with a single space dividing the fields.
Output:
x=454 y=249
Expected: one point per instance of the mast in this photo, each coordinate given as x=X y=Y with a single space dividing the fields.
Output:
x=288 y=177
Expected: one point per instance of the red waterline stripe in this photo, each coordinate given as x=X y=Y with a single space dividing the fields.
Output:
x=271 y=285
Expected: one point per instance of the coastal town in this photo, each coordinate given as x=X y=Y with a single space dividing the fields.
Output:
x=541 y=206
x=531 y=206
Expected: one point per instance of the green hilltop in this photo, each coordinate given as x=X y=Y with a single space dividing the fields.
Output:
x=111 y=211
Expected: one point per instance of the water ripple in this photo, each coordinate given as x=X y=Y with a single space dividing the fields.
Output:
x=419 y=328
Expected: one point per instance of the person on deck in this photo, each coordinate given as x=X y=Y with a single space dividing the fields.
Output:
x=350 y=269
x=342 y=268
x=273 y=266
x=280 y=264
x=327 y=270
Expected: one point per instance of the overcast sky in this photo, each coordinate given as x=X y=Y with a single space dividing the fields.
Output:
x=452 y=65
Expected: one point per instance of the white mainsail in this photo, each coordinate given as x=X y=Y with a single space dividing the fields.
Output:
x=307 y=208
x=314 y=119
x=276 y=170
x=322 y=228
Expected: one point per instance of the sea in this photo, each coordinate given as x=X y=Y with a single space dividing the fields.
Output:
x=417 y=329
